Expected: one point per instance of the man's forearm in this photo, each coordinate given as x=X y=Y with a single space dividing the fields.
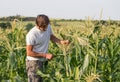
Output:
x=55 y=39
x=38 y=55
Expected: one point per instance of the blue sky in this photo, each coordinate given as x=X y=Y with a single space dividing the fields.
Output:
x=67 y=9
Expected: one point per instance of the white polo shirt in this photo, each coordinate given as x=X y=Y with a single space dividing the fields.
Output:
x=39 y=40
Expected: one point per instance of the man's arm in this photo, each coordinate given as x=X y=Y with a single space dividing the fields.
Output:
x=30 y=52
x=56 y=40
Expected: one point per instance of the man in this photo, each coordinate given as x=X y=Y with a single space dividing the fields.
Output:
x=37 y=41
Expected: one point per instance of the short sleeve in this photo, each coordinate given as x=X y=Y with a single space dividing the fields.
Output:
x=30 y=40
x=50 y=30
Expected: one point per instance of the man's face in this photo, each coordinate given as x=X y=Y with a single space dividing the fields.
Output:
x=43 y=27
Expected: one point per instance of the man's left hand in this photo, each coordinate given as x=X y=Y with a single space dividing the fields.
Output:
x=64 y=42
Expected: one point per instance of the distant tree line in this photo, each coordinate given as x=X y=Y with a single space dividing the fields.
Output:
x=19 y=17
x=6 y=21
x=103 y=22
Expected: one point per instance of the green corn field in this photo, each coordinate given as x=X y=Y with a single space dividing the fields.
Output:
x=93 y=54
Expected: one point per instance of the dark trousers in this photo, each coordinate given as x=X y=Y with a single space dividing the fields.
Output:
x=32 y=66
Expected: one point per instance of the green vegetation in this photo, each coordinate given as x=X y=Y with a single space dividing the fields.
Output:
x=92 y=56
x=5 y=25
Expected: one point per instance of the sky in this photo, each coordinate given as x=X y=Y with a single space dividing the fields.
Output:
x=62 y=9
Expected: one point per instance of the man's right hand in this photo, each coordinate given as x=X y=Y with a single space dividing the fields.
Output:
x=49 y=56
